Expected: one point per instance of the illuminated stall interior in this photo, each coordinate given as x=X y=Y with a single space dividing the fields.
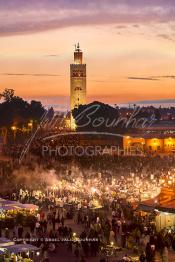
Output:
x=150 y=144
x=164 y=207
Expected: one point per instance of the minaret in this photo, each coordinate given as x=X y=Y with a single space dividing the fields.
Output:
x=77 y=82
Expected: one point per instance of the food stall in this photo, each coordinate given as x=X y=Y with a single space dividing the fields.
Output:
x=20 y=252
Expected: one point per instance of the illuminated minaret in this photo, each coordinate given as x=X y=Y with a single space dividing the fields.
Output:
x=77 y=82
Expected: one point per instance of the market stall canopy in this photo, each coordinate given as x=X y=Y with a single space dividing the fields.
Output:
x=7 y=208
x=6 y=205
x=29 y=206
x=164 y=202
x=6 y=242
x=146 y=207
x=5 y=202
x=19 y=248
x=1 y=252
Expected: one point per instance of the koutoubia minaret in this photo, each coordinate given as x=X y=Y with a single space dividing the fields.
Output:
x=77 y=82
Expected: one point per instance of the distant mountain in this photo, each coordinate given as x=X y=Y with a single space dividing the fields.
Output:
x=158 y=101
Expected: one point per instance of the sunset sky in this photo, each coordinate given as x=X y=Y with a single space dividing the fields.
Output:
x=129 y=48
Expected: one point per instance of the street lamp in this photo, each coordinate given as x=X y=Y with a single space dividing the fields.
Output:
x=30 y=125
x=14 y=129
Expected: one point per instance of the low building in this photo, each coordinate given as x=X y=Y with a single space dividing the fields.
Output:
x=149 y=143
x=156 y=139
x=164 y=207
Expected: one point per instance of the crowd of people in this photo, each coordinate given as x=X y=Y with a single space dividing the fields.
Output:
x=104 y=232
x=98 y=194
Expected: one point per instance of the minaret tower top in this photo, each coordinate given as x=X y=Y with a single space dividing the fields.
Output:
x=78 y=55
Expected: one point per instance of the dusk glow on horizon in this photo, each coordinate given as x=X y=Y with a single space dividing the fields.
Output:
x=128 y=47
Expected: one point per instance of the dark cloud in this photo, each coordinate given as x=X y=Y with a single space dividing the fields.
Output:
x=121 y=27
x=143 y=78
x=136 y=26
x=22 y=74
x=171 y=76
x=166 y=37
x=19 y=16
x=50 y=4
x=152 y=78
x=52 y=55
